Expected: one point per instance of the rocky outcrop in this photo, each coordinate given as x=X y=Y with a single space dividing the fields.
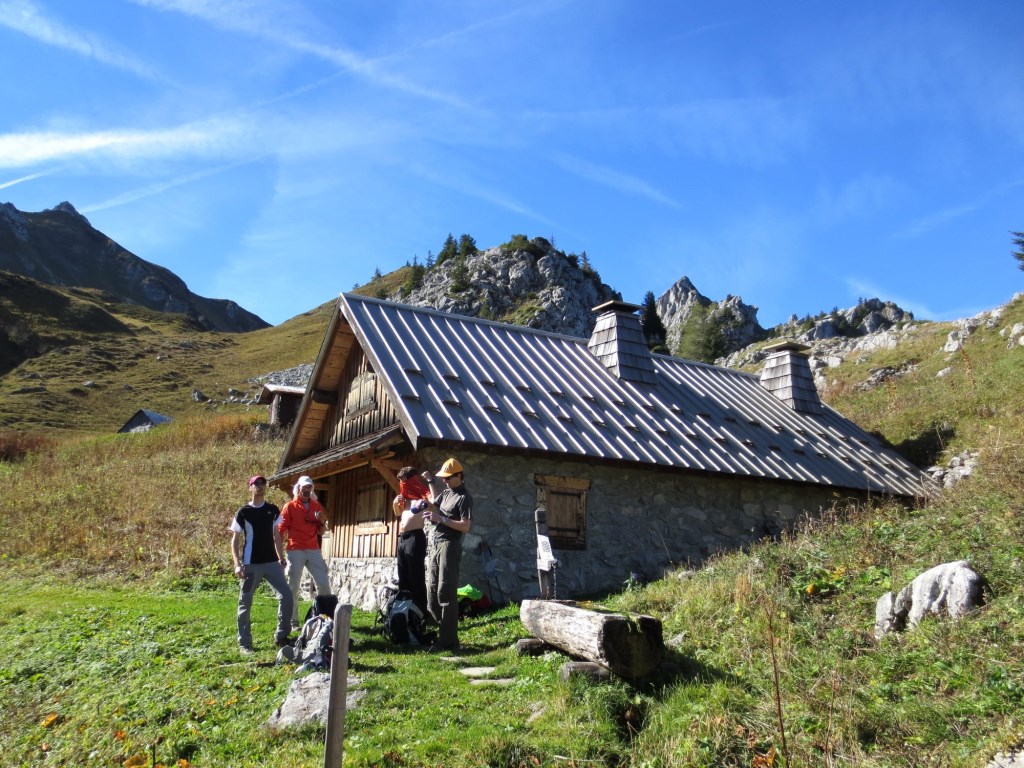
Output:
x=539 y=288
x=870 y=326
x=60 y=247
x=735 y=323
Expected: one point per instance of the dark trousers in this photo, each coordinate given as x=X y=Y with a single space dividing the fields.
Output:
x=412 y=575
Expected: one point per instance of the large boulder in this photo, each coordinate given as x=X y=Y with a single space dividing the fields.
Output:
x=307 y=701
x=951 y=589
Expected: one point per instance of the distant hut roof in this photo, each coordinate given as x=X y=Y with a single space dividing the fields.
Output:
x=269 y=390
x=143 y=420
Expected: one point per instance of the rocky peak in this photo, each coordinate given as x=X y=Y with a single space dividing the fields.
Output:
x=69 y=209
x=683 y=309
x=14 y=220
x=536 y=286
x=871 y=325
x=868 y=317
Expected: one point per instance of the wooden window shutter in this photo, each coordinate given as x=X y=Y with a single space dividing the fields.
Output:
x=565 y=499
x=371 y=508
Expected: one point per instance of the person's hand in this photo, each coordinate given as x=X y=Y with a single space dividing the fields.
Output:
x=240 y=571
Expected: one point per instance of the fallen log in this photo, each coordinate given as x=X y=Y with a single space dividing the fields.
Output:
x=629 y=646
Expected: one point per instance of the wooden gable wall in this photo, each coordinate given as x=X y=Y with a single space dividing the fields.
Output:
x=361 y=408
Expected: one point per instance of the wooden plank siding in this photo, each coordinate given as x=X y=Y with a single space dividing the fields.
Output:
x=352 y=539
x=362 y=408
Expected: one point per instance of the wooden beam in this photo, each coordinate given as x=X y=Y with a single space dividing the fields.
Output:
x=385 y=470
x=630 y=646
x=324 y=396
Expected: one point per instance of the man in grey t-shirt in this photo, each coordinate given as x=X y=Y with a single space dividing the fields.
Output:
x=451 y=511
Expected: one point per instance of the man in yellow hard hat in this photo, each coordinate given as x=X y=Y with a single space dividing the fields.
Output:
x=451 y=511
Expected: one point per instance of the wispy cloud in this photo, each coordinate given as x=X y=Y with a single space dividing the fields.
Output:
x=26 y=17
x=616 y=180
x=476 y=190
x=30 y=177
x=155 y=189
x=943 y=216
x=19 y=150
x=270 y=24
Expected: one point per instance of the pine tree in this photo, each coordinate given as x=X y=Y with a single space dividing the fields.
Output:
x=448 y=250
x=1018 y=240
x=467 y=246
x=650 y=321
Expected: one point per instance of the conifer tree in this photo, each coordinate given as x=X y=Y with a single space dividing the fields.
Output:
x=1018 y=240
x=467 y=246
x=448 y=250
x=650 y=321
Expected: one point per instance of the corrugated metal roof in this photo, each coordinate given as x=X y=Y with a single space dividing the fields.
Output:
x=461 y=379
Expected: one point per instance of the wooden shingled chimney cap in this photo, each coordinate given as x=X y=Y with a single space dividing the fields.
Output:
x=617 y=306
x=786 y=345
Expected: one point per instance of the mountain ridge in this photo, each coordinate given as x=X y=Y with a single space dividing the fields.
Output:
x=59 y=246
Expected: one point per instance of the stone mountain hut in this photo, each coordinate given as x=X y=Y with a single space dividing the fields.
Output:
x=642 y=461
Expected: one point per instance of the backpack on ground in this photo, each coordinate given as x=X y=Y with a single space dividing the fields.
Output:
x=323 y=605
x=313 y=648
x=400 y=617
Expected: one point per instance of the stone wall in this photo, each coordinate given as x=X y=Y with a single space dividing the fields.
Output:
x=355 y=580
x=640 y=521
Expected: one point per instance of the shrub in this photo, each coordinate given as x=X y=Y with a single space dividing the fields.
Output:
x=14 y=446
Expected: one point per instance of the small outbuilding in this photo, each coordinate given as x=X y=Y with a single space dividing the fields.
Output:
x=641 y=461
x=143 y=421
x=284 y=402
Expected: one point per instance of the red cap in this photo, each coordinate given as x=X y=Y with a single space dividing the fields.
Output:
x=254 y=478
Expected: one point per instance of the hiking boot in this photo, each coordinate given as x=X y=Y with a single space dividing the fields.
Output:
x=281 y=641
x=246 y=650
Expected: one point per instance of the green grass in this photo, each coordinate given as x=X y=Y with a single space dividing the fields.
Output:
x=100 y=674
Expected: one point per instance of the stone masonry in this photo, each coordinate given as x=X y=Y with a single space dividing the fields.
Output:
x=639 y=521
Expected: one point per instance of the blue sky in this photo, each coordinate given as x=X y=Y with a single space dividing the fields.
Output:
x=801 y=155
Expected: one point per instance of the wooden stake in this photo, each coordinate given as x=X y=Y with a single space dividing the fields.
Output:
x=335 y=751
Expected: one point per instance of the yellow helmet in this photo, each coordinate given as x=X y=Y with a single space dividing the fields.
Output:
x=450 y=467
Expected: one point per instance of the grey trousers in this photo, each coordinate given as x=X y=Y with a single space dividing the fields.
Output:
x=313 y=561
x=442 y=590
x=273 y=573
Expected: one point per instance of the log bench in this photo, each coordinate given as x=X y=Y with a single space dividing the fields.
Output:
x=629 y=646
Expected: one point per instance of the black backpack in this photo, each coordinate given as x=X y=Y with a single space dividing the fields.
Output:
x=323 y=605
x=401 y=618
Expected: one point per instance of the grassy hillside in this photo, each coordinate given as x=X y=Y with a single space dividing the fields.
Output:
x=75 y=359
x=773 y=662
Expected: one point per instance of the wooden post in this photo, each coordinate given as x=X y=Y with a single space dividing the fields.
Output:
x=546 y=561
x=630 y=646
x=335 y=751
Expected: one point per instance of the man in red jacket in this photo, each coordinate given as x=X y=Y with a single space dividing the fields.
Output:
x=303 y=522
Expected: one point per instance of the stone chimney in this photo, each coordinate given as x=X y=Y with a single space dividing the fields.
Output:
x=618 y=343
x=787 y=375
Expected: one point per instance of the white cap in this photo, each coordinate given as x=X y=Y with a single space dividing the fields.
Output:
x=305 y=480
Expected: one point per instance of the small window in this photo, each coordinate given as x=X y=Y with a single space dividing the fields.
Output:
x=372 y=508
x=362 y=395
x=565 y=500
